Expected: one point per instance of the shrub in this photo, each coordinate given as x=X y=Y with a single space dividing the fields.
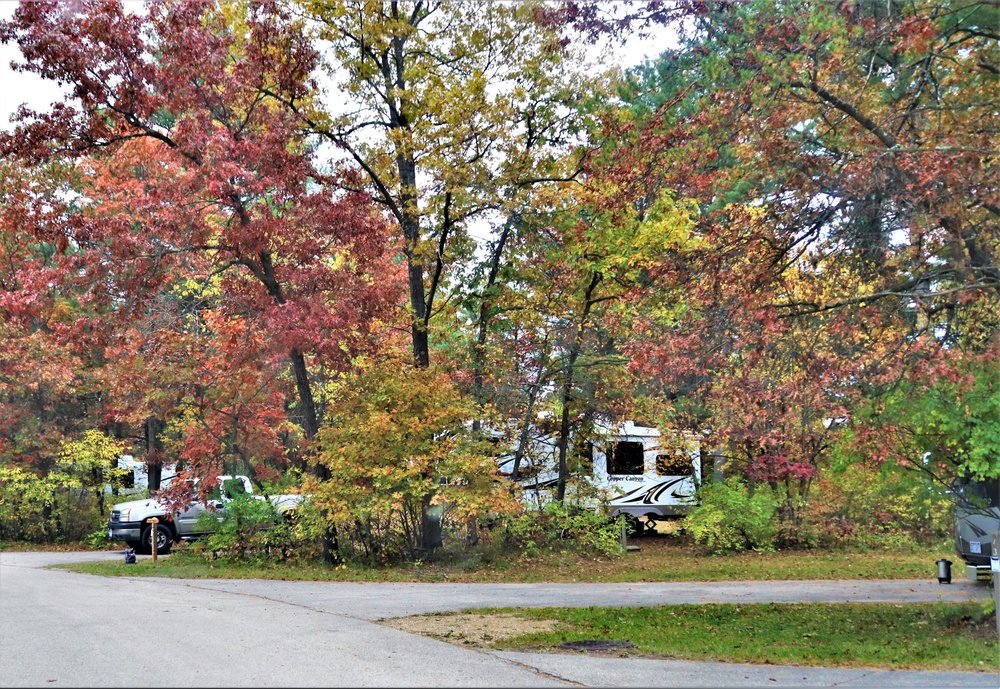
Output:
x=27 y=505
x=66 y=504
x=251 y=530
x=559 y=525
x=47 y=509
x=731 y=518
x=98 y=538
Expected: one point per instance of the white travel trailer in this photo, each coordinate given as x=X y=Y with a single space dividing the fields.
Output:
x=643 y=472
x=139 y=480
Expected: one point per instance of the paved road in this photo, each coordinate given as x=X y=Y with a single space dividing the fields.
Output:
x=375 y=601
x=59 y=628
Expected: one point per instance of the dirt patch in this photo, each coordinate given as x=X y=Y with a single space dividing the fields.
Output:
x=475 y=630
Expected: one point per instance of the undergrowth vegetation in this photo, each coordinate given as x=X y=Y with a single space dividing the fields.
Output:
x=853 y=505
x=661 y=557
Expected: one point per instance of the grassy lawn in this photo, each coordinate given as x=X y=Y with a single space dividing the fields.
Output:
x=660 y=558
x=935 y=636
x=70 y=547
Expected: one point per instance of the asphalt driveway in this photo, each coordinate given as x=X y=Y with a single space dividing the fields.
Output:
x=60 y=628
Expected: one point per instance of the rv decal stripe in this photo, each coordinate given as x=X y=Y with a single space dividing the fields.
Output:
x=649 y=496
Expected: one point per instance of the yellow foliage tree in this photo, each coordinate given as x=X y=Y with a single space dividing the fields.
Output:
x=399 y=445
x=92 y=463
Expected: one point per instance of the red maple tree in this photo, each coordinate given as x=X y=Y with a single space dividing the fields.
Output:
x=228 y=274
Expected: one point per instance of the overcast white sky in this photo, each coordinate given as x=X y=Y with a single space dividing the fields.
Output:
x=17 y=87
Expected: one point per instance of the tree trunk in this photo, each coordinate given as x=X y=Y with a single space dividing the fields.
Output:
x=410 y=221
x=430 y=525
x=567 y=387
x=522 y=444
x=308 y=413
x=430 y=522
x=418 y=326
x=310 y=424
x=154 y=458
x=564 y=430
x=479 y=351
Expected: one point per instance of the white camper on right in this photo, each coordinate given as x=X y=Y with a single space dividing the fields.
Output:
x=656 y=474
x=645 y=473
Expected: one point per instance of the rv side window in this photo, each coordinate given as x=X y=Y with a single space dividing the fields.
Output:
x=676 y=463
x=625 y=458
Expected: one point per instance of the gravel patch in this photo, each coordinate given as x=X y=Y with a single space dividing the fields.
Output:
x=473 y=630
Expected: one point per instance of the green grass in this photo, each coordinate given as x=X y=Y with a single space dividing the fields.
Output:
x=936 y=636
x=188 y=565
x=67 y=547
x=660 y=559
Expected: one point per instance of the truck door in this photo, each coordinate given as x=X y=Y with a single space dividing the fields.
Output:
x=187 y=521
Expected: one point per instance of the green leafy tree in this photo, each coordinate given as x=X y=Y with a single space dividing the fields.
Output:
x=594 y=256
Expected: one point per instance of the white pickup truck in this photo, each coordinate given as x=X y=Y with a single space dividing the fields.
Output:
x=129 y=521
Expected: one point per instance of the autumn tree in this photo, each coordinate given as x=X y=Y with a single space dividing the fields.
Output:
x=573 y=286
x=203 y=206
x=595 y=257
x=453 y=107
x=51 y=365
x=401 y=444
x=843 y=155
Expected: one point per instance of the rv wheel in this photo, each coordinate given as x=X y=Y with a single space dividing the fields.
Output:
x=633 y=527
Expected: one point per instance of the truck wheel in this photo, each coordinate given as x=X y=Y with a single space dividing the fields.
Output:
x=162 y=539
